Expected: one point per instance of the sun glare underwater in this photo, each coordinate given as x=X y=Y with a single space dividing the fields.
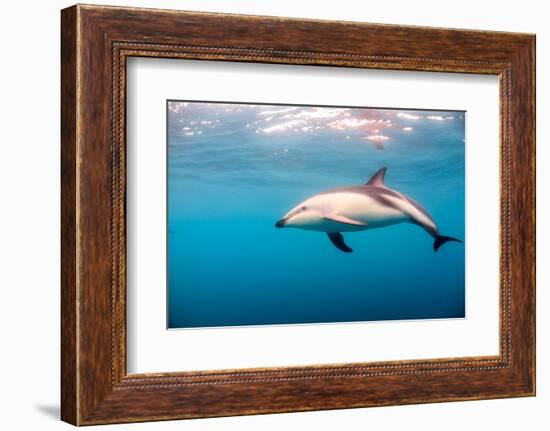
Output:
x=234 y=170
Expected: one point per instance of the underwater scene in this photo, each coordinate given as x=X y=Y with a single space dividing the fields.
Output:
x=286 y=214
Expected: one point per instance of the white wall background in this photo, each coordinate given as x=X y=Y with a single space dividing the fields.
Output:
x=29 y=214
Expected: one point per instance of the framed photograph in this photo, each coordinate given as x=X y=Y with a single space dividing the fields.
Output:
x=260 y=217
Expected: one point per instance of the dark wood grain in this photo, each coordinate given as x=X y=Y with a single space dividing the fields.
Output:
x=69 y=397
x=96 y=41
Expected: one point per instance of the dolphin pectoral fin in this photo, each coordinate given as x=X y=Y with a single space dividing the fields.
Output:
x=343 y=219
x=338 y=240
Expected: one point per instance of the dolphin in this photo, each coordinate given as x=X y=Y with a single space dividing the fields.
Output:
x=356 y=208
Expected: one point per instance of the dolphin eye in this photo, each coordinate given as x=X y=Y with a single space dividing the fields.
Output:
x=303 y=208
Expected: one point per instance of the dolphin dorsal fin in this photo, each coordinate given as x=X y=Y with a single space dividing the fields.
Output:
x=378 y=178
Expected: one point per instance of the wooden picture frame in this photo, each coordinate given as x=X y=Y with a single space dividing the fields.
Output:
x=95 y=43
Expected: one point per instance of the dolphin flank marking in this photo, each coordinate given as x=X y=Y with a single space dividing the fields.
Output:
x=356 y=208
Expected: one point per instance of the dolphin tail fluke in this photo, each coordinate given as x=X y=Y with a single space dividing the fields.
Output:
x=338 y=240
x=441 y=239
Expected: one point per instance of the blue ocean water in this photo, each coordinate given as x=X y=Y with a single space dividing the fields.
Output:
x=235 y=169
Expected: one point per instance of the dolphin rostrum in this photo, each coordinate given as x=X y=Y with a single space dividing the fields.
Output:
x=356 y=208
